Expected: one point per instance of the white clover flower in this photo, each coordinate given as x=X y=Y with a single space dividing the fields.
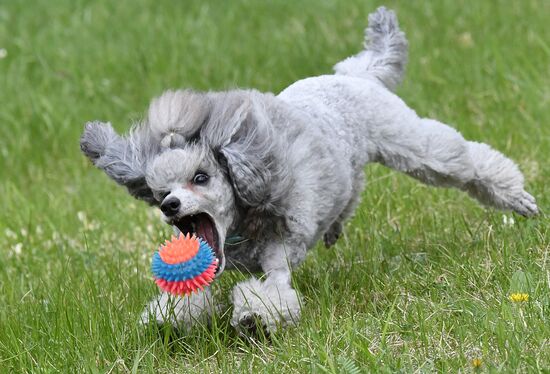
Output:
x=91 y=226
x=465 y=40
x=81 y=216
x=3 y=53
x=508 y=221
x=18 y=248
x=10 y=234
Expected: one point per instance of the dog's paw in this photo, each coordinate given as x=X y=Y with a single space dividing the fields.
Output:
x=333 y=233
x=518 y=201
x=252 y=326
x=180 y=312
x=263 y=307
x=523 y=204
x=513 y=198
x=498 y=181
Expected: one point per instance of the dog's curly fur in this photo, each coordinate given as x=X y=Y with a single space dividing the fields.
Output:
x=284 y=171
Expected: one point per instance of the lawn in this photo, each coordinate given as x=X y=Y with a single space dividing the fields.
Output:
x=421 y=280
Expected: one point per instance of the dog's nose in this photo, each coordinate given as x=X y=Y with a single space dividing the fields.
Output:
x=170 y=206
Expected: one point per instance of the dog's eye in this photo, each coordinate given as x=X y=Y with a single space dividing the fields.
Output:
x=200 y=178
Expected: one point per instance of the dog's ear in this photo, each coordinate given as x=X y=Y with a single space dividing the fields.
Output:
x=122 y=159
x=256 y=162
x=248 y=174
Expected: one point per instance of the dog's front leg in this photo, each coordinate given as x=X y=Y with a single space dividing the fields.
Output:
x=269 y=303
x=181 y=312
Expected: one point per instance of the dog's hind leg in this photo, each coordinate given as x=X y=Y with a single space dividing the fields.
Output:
x=437 y=154
x=335 y=230
x=425 y=149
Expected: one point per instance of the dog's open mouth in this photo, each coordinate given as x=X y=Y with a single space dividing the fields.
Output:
x=203 y=226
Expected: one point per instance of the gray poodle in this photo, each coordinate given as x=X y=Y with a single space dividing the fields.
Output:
x=263 y=177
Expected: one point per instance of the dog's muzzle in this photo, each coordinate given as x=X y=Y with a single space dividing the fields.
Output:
x=203 y=226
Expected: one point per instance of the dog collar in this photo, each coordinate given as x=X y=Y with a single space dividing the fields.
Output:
x=235 y=239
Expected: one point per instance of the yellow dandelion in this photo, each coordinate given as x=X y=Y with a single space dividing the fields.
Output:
x=519 y=297
x=476 y=362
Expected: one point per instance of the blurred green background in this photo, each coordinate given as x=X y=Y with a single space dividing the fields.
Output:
x=422 y=277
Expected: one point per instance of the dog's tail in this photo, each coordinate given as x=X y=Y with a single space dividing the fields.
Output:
x=385 y=54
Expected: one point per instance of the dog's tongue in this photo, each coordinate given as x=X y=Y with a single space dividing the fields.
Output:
x=206 y=231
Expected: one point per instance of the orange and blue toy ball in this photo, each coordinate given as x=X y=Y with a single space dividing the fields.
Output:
x=183 y=265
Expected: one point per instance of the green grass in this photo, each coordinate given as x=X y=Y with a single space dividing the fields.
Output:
x=419 y=282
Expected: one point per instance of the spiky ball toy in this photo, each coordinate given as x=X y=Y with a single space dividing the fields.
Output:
x=183 y=265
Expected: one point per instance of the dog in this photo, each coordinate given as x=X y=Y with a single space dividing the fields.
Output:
x=263 y=177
